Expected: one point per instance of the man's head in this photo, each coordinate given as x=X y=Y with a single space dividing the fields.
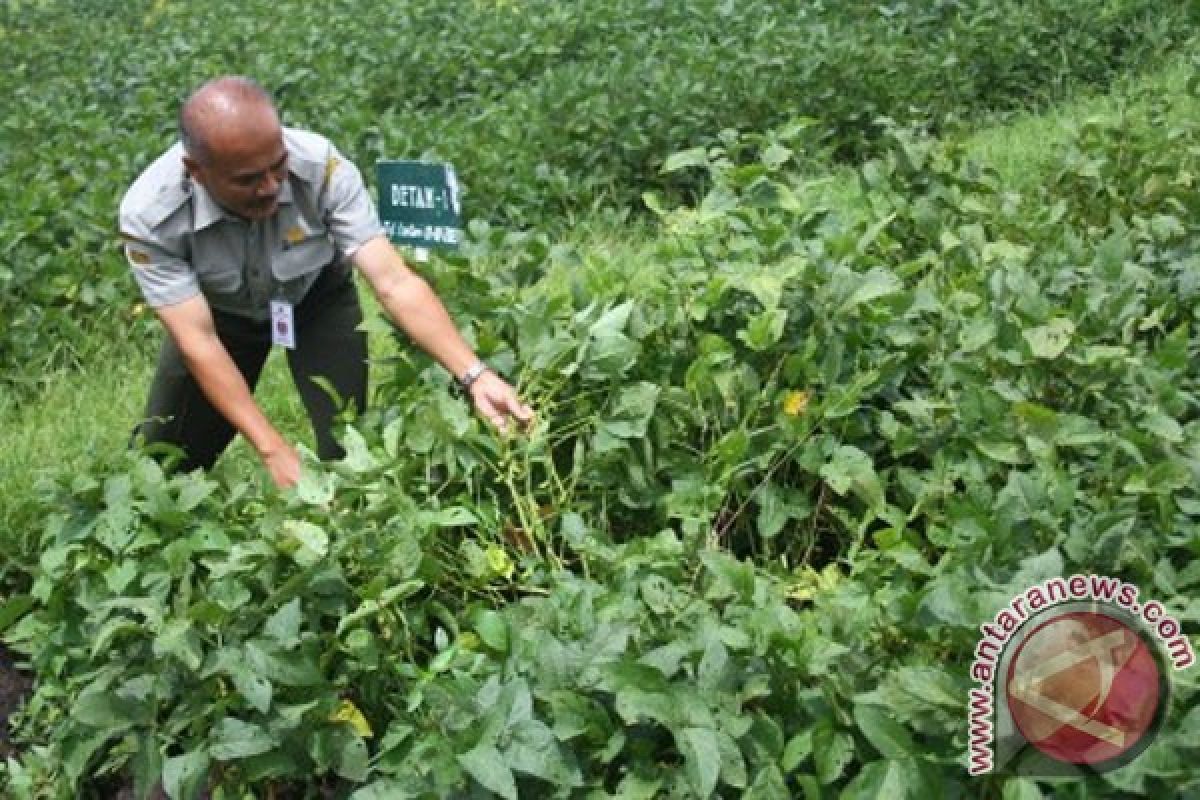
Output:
x=233 y=145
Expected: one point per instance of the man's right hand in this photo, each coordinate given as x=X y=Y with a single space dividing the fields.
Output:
x=190 y=323
x=283 y=464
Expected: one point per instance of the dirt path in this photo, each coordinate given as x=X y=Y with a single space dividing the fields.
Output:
x=14 y=688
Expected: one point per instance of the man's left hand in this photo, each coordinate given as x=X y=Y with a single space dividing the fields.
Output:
x=497 y=402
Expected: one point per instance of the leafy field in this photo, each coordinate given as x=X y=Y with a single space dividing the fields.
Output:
x=551 y=108
x=787 y=460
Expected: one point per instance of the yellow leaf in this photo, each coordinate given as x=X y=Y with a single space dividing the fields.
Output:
x=809 y=583
x=499 y=562
x=348 y=712
x=795 y=403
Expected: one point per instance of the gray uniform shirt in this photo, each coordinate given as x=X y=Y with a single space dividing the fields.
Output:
x=181 y=243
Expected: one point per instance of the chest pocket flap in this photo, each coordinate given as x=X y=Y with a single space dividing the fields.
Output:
x=303 y=249
x=219 y=275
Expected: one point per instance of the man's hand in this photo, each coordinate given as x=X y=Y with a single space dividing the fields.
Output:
x=283 y=464
x=412 y=305
x=190 y=323
x=497 y=402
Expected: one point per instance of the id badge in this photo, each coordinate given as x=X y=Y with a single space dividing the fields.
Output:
x=283 y=324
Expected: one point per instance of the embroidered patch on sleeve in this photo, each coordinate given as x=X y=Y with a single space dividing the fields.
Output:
x=137 y=257
x=331 y=167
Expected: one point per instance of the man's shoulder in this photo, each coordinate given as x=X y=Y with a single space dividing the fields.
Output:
x=160 y=191
x=306 y=143
x=309 y=154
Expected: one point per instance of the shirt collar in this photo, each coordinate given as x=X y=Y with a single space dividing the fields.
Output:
x=209 y=212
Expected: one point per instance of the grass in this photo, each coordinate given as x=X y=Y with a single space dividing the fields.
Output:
x=1023 y=146
x=1023 y=149
x=80 y=414
x=84 y=414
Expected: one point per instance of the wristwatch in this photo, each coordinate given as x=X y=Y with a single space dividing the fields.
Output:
x=471 y=375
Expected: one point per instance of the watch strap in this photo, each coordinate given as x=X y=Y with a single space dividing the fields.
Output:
x=471 y=375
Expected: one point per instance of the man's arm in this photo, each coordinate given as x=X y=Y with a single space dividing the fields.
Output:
x=412 y=305
x=190 y=324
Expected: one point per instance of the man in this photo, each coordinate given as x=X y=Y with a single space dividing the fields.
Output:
x=243 y=235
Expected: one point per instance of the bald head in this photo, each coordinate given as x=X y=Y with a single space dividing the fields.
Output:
x=225 y=109
x=234 y=146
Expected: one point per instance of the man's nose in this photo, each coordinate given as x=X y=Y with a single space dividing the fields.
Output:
x=269 y=185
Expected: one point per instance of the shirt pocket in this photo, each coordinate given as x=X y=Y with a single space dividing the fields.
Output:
x=219 y=277
x=306 y=251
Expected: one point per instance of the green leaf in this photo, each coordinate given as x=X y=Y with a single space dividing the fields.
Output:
x=764 y=330
x=1050 y=340
x=358 y=456
x=763 y=742
x=453 y=517
x=702 y=758
x=612 y=322
x=353 y=761
x=1162 y=426
x=146 y=765
x=832 y=751
x=304 y=542
x=1021 y=789
x=733 y=763
x=635 y=706
x=106 y=710
x=386 y=789
x=184 y=776
x=492 y=628
x=877 y=283
x=232 y=739
x=799 y=747
x=930 y=685
x=695 y=157
x=120 y=575
x=316 y=488
x=775 y=156
x=286 y=668
x=713 y=666
x=256 y=689
x=850 y=469
x=773 y=512
x=370 y=608
x=632 y=411
x=976 y=334
x=111 y=630
x=890 y=779
x=1163 y=478
x=535 y=751
x=485 y=764
x=13 y=609
x=284 y=625
x=1004 y=452
x=769 y=784
x=177 y=639
x=731 y=575
x=194 y=492
x=888 y=738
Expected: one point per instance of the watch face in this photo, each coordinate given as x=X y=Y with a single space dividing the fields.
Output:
x=472 y=374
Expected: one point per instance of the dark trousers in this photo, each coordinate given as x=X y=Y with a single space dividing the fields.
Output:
x=328 y=345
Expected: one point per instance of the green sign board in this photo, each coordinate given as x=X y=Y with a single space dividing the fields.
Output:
x=419 y=203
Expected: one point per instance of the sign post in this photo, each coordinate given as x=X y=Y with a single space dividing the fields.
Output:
x=419 y=205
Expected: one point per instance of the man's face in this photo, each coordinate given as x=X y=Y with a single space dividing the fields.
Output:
x=243 y=166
